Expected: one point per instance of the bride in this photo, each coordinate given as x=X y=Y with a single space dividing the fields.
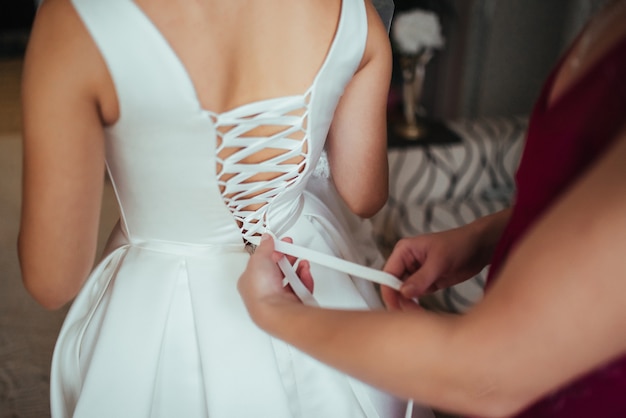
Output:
x=210 y=118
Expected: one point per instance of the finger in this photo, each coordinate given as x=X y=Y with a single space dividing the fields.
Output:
x=264 y=261
x=419 y=283
x=292 y=260
x=409 y=305
x=304 y=272
x=402 y=261
x=395 y=263
x=390 y=298
x=275 y=254
x=265 y=248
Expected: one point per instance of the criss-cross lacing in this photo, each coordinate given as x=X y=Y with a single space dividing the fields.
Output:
x=261 y=150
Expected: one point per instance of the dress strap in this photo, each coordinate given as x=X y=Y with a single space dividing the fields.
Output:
x=325 y=260
x=335 y=263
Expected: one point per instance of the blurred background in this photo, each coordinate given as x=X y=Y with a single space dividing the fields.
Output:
x=497 y=52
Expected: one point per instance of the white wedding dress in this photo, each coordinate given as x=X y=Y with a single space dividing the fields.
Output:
x=159 y=329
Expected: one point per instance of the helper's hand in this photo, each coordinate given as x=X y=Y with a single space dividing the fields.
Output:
x=261 y=284
x=431 y=262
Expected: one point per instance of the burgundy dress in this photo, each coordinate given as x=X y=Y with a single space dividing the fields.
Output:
x=564 y=139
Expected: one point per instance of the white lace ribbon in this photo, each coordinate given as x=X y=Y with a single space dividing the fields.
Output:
x=325 y=260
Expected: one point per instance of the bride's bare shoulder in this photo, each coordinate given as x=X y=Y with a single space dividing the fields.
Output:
x=62 y=56
x=57 y=31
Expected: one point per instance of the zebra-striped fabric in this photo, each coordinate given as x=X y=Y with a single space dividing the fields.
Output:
x=437 y=187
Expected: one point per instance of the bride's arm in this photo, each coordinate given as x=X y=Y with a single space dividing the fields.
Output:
x=357 y=140
x=63 y=156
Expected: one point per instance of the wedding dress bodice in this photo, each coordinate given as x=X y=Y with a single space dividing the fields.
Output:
x=159 y=329
x=176 y=144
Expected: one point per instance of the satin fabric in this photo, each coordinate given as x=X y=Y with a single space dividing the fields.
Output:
x=159 y=329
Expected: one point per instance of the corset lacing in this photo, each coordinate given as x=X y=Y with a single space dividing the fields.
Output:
x=248 y=183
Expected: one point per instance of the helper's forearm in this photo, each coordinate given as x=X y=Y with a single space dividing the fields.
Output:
x=489 y=229
x=426 y=364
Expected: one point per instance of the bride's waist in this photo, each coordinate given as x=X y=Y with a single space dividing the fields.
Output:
x=119 y=237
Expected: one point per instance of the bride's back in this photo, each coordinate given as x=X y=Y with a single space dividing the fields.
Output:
x=239 y=51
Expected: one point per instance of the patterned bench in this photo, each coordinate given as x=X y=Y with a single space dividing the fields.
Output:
x=437 y=187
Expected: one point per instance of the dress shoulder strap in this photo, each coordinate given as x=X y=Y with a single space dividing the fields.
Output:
x=347 y=49
x=142 y=70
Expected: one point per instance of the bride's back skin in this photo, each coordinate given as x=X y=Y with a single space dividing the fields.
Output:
x=235 y=52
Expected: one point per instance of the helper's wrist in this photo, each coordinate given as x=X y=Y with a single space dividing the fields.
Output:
x=486 y=233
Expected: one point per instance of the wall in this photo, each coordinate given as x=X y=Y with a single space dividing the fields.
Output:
x=498 y=54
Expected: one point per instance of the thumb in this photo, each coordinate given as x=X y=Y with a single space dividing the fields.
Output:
x=418 y=283
x=266 y=246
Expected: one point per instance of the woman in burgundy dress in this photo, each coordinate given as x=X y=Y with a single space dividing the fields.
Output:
x=548 y=339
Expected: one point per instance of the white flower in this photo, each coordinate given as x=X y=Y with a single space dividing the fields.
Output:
x=416 y=29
